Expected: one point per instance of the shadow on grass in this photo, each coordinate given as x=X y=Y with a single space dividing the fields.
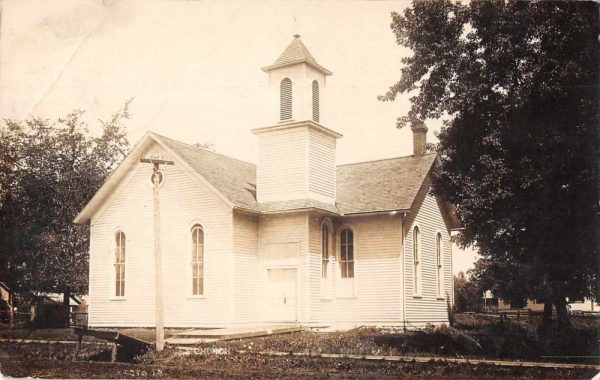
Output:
x=502 y=341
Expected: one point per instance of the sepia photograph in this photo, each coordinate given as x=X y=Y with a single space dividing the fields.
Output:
x=331 y=189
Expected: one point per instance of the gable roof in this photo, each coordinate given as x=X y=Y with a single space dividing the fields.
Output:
x=373 y=186
x=233 y=178
x=296 y=52
x=365 y=187
x=236 y=179
x=382 y=185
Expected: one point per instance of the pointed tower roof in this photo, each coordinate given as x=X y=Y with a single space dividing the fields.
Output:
x=295 y=53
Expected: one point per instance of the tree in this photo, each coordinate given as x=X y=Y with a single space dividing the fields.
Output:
x=48 y=172
x=469 y=297
x=517 y=84
x=505 y=278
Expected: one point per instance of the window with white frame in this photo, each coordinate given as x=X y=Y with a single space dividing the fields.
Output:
x=417 y=261
x=347 y=253
x=120 y=245
x=197 y=260
x=324 y=250
x=439 y=262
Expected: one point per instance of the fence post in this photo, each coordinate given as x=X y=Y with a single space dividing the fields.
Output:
x=11 y=311
x=77 y=346
x=113 y=355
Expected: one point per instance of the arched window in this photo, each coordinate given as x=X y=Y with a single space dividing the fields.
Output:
x=324 y=250
x=440 y=272
x=417 y=260
x=347 y=253
x=285 y=93
x=120 y=264
x=197 y=260
x=315 y=100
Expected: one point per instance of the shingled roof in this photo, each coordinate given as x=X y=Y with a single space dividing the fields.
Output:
x=366 y=187
x=296 y=52
x=382 y=185
x=373 y=186
x=235 y=179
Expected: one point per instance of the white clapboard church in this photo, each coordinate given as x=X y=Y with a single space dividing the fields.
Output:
x=294 y=238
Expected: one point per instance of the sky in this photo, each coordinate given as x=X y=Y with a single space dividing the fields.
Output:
x=192 y=69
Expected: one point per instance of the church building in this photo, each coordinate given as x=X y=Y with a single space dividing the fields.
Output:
x=292 y=238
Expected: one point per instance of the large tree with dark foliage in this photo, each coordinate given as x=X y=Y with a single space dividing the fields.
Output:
x=48 y=172
x=518 y=85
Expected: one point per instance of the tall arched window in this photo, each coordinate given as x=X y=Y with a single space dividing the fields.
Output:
x=285 y=93
x=315 y=100
x=347 y=253
x=120 y=264
x=197 y=260
x=440 y=271
x=324 y=250
x=417 y=260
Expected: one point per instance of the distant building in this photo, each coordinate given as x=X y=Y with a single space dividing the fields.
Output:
x=580 y=305
x=294 y=238
x=5 y=293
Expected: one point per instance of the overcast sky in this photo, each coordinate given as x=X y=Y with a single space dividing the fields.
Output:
x=193 y=68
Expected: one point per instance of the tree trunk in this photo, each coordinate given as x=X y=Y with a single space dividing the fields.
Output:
x=66 y=307
x=561 y=311
x=66 y=298
x=11 y=311
x=547 y=319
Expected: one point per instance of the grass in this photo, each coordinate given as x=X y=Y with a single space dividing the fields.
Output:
x=58 y=334
x=171 y=364
x=525 y=338
x=475 y=337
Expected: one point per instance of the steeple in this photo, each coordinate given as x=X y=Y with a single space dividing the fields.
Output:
x=297 y=79
x=296 y=53
x=296 y=155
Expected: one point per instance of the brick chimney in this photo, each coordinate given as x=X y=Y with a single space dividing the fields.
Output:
x=419 y=138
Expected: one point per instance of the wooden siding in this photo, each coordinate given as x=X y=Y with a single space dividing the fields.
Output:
x=184 y=201
x=282 y=165
x=321 y=165
x=288 y=230
x=246 y=270
x=427 y=307
x=378 y=280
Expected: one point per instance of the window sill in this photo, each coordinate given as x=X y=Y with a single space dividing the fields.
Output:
x=347 y=297
x=117 y=299
x=326 y=299
x=198 y=297
x=417 y=296
x=439 y=298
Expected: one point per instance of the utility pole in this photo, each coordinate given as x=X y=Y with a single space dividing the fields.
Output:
x=156 y=179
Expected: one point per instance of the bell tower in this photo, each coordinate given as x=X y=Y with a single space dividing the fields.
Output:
x=296 y=155
x=299 y=80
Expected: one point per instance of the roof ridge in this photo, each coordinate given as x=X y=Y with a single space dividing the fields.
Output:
x=295 y=47
x=296 y=52
x=203 y=149
x=385 y=159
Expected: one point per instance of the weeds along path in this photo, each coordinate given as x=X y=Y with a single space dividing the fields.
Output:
x=427 y=359
x=278 y=367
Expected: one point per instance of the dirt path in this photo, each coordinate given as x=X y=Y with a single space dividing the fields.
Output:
x=256 y=366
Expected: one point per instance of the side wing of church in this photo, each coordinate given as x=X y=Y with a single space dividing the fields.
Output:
x=294 y=238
